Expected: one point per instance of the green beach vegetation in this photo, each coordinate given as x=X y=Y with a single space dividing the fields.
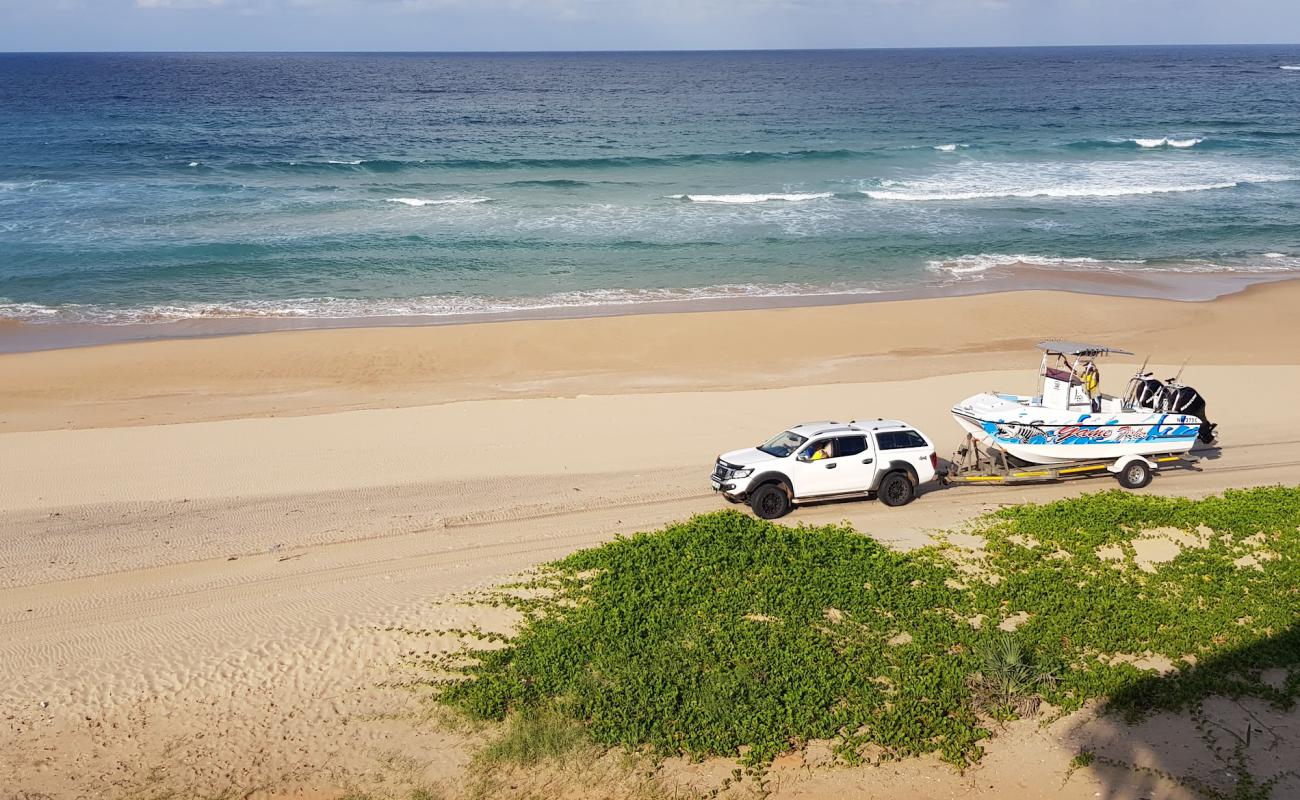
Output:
x=730 y=636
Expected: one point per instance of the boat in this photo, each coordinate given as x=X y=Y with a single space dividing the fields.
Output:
x=1070 y=419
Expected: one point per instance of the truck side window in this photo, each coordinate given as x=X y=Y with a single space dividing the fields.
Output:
x=849 y=445
x=900 y=440
x=913 y=439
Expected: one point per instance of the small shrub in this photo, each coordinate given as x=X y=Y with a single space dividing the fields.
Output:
x=1008 y=681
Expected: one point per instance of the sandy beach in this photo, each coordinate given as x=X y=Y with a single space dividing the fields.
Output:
x=206 y=545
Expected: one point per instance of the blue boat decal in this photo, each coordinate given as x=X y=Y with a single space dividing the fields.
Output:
x=1105 y=433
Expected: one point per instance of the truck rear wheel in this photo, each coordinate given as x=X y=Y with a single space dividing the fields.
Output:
x=1135 y=475
x=896 y=490
x=769 y=502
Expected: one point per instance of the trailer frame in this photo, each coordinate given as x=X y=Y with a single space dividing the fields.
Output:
x=975 y=463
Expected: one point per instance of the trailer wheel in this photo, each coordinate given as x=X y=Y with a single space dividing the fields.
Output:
x=1135 y=475
x=769 y=502
x=896 y=489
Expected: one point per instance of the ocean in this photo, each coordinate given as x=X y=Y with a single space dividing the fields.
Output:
x=147 y=188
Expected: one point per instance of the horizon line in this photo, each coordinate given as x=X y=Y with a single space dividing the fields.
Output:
x=633 y=51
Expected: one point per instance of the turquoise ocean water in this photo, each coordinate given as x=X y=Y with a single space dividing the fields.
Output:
x=145 y=188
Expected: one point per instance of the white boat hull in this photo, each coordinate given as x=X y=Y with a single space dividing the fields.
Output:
x=1041 y=435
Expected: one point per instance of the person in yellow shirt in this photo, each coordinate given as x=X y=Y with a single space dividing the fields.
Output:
x=1091 y=378
x=823 y=451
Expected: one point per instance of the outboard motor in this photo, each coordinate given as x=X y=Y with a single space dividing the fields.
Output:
x=1144 y=391
x=1175 y=398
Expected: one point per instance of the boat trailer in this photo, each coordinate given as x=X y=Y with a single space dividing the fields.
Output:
x=975 y=463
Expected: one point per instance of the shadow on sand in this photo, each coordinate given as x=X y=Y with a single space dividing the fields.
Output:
x=1180 y=735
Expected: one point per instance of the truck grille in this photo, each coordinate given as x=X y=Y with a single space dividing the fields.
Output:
x=723 y=470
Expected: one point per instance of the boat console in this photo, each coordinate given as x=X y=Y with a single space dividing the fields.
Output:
x=1071 y=380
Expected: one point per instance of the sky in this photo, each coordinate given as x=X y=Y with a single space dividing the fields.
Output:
x=447 y=25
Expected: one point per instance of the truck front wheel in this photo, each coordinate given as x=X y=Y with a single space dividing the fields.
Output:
x=769 y=502
x=896 y=490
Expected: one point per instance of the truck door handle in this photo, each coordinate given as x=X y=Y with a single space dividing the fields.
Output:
x=830 y=466
x=867 y=460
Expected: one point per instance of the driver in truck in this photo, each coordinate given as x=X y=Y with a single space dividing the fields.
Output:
x=823 y=451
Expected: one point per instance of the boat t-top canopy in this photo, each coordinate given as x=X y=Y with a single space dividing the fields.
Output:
x=1079 y=348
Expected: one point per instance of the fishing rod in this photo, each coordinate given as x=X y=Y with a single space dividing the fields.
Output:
x=1131 y=395
x=1180 y=370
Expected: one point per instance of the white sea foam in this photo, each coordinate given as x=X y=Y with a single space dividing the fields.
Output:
x=1049 y=191
x=978 y=180
x=1282 y=261
x=352 y=163
x=983 y=262
x=446 y=201
x=973 y=266
x=744 y=199
x=27 y=312
x=1166 y=141
x=1290 y=66
x=428 y=306
x=948 y=148
x=194 y=163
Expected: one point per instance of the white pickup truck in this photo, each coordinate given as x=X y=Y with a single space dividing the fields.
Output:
x=827 y=460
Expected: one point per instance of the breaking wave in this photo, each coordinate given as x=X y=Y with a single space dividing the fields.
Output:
x=446 y=201
x=1238 y=140
x=1290 y=66
x=745 y=199
x=1165 y=141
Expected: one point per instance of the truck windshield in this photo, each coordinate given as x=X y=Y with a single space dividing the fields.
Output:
x=783 y=444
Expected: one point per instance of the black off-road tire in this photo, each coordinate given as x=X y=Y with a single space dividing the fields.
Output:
x=896 y=489
x=1134 y=476
x=769 y=502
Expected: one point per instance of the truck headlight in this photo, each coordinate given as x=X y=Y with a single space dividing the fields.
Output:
x=742 y=473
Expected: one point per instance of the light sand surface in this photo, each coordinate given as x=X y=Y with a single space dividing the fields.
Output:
x=306 y=372
x=208 y=604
